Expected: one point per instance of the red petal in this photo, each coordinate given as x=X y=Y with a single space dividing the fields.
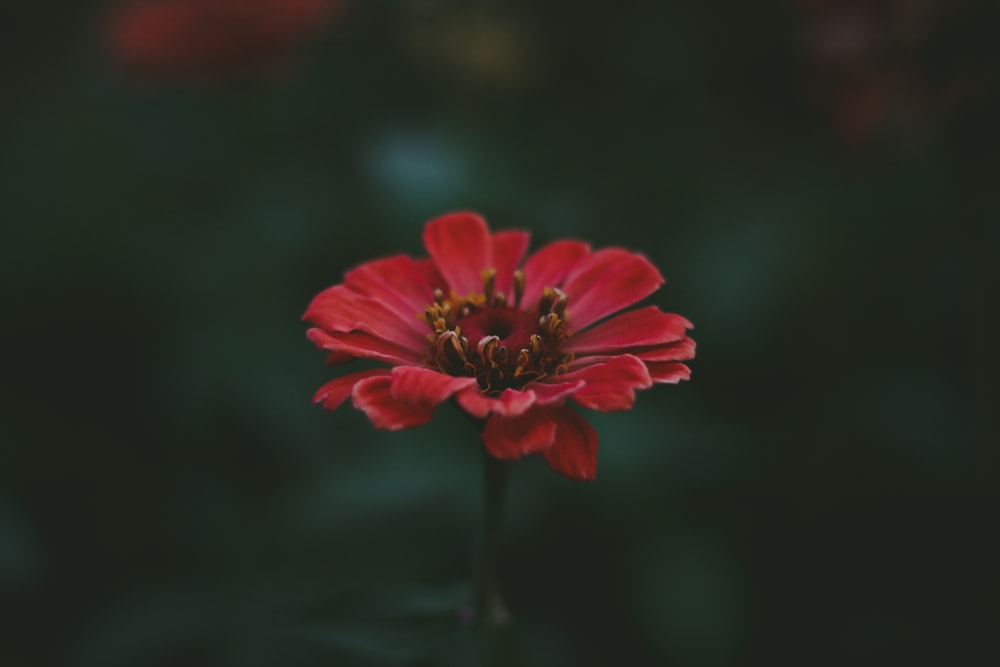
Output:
x=508 y=251
x=459 y=244
x=509 y=403
x=404 y=284
x=374 y=397
x=423 y=385
x=333 y=358
x=335 y=392
x=610 y=385
x=642 y=327
x=362 y=346
x=549 y=266
x=339 y=308
x=512 y=402
x=608 y=281
x=510 y=438
x=574 y=452
x=668 y=372
x=679 y=351
x=548 y=394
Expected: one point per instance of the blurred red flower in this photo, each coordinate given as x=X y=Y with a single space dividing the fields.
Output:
x=867 y=66
x=207 y=40
x=511 y=345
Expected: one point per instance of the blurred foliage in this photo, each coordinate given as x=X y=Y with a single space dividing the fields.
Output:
x=822 y=492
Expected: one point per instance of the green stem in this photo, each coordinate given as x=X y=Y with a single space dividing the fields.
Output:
x=489 y=606
x=492 y=616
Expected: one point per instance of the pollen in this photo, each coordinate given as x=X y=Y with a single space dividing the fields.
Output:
x=488 y=336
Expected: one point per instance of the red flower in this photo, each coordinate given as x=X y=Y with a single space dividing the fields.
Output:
x=206 y=40
x=511 y=345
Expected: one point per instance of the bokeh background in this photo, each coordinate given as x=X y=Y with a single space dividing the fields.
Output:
x=817 y=181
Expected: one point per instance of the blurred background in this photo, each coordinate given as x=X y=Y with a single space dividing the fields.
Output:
x=817 y=180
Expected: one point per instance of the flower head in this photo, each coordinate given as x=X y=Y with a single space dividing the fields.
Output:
x=206 y=40
x=512 y=343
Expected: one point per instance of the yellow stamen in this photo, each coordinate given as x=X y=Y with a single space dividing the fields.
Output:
x=518 y=287
x=489 y=284
x=495 y=366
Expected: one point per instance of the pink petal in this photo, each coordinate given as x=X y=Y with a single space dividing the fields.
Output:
x=459 y=244
x=508 y=250
x=374 y=396
x=605 y=282
x=423 y=385
x=574 y=452
x=610 y=385
x=642 y=327
x=668 y=372
x=549 y=266
x=339 y=308
x=404 y=284
x=360 y=345
x=509 y=403
x=335 y=392
x=510 y=438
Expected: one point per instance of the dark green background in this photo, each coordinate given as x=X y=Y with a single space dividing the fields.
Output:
x=823 y=492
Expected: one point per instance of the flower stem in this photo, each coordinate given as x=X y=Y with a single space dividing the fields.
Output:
x=492 y=616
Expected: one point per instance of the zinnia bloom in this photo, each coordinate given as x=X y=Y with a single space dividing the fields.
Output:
x=205 y=40
x=511 y=343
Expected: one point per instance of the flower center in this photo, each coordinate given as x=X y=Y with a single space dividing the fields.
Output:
x=502 y=346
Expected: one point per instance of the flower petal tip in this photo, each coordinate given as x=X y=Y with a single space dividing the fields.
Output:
x=459 y=243
x=574 y=452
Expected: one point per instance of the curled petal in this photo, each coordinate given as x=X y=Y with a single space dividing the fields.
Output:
x=335 y=392
x=359 y=345
x=635 y=328
x=459 y=244
x=611 y=385
x=509 y=403
x=508 y=250
x=549 y=266
x=555 y=393
x=423 y=385
x=404 y=284
x=573 y=454
x=510 y=438
x=681 y=350
x=339 y=308
x=374 y=397
x=512 y=402
x=607 y=281
x=668 y=372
